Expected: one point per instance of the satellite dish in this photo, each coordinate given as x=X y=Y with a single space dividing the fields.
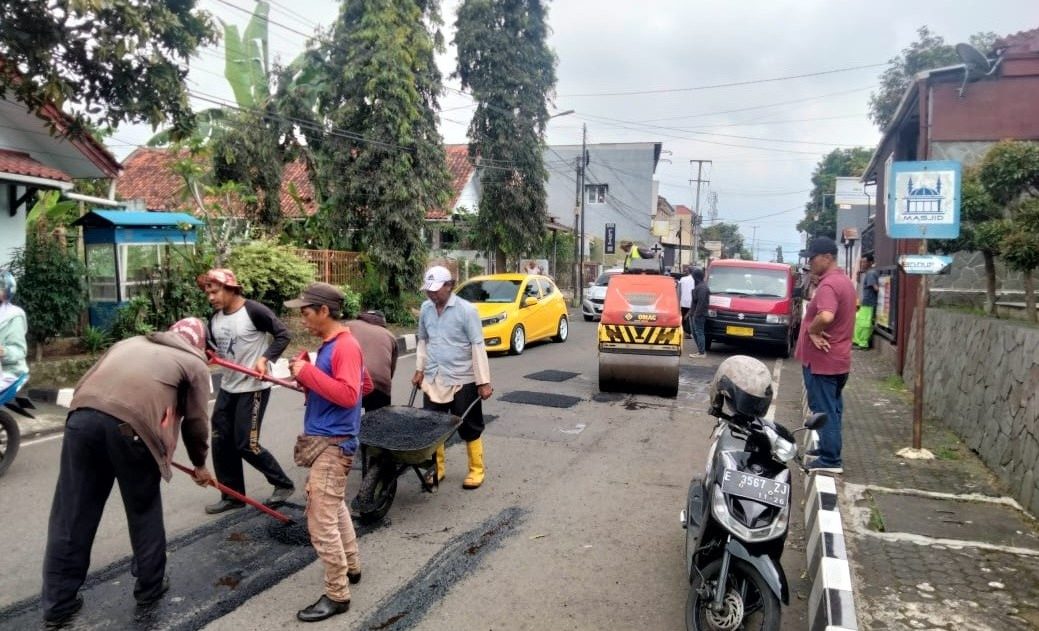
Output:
x=975 y=65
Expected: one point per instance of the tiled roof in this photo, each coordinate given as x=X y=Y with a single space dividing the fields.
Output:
x=1020 y=43
x=681 y=209
x=461 y=170
x=148 y=175
x=21 y=163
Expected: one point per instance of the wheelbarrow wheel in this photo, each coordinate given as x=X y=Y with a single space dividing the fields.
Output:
x=10 y=438
x=376 y=493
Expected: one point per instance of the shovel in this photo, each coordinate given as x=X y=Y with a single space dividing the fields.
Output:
x=282 y=517
x=223 y=363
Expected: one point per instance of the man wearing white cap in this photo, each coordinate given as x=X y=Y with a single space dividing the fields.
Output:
x=451 y=366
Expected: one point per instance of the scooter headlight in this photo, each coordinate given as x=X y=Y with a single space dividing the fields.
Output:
x=721 y=512
x=782 y=449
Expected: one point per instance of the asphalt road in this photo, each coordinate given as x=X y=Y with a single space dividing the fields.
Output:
x=576 y=526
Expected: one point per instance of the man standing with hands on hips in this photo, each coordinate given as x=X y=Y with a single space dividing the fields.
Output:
x=451 y=366
x=824 y=348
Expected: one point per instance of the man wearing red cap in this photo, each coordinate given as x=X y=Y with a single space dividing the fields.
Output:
x=242 y=330
x=127 y=412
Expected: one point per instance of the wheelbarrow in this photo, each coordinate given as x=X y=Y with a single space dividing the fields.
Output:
x=393 y=440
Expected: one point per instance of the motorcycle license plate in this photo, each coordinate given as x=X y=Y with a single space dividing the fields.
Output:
x=742 y=331
x=755 y=487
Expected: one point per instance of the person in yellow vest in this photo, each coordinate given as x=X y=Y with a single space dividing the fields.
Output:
x=631 y=251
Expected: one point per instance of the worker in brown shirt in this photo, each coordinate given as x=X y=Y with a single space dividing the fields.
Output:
x=379 y=348
x=126 y=415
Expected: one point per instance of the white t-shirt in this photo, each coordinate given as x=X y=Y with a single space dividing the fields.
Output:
x=685 y=291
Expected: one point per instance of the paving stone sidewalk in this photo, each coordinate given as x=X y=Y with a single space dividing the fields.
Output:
x=931 y=545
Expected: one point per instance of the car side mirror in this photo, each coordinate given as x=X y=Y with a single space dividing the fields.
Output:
x=799 y=292
x=529 y=301
x=815 y=421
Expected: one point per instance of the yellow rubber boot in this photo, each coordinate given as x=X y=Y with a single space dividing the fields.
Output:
x=475 y=477
x=441 y=467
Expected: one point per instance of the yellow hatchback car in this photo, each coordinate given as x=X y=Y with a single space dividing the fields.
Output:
x=516 y=309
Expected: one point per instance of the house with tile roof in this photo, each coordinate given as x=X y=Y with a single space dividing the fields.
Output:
x=37 y=153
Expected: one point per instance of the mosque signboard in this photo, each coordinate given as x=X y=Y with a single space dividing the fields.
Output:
x=923 y=200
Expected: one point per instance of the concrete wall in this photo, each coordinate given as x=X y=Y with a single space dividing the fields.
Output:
x=982 y=380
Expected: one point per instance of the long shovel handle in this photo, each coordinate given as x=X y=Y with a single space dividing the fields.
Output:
x=285 y=383
x=282 y=517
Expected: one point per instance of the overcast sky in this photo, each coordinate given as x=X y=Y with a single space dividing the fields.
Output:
x=764 y=138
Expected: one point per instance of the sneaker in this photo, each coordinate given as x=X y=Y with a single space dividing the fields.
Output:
x=223 y=505
x=697 y=355
x=812 y=453
x=280 y=495
x=819 y=468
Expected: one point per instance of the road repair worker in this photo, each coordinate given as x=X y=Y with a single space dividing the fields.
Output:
x=334 y=385
x=451 y=366
x=379 y=347
x=239 y=329
x=631 y=252
x=126 y=415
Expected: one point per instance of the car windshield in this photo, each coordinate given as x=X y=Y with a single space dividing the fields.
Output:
x=743 y=281
x=604 y=278
x=490 y=291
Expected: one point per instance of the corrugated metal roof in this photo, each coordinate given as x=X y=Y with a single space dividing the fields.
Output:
x=135 y=218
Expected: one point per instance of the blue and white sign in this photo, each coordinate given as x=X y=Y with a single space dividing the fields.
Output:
x=923 y=200
x=925 y=263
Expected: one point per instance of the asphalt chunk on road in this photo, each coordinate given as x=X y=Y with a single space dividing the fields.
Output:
x=459 y=557
x=544 y=399
x=213 y=570
x=551 y=375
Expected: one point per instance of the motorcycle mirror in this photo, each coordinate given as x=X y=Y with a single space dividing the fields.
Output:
x=815 y=421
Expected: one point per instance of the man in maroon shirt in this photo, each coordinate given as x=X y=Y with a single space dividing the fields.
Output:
x=824 y=348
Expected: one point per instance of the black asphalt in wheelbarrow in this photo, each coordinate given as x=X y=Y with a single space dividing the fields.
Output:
x=400 y=428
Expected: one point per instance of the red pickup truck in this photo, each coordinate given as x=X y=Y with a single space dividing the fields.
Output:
x=753 y=302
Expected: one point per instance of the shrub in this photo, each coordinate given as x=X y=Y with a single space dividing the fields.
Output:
x=352 y=302
x=133 y=318
x=94 y=340
x=50 y=287
x=270 y=273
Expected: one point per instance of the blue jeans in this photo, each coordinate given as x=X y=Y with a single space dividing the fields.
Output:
x=698 y=325
x=824 y=395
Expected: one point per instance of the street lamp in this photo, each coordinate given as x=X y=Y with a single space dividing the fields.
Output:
x=563 y=113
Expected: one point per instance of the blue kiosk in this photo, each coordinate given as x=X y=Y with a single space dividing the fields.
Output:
x=123 y=248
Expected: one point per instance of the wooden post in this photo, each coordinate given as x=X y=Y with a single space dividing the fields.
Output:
x=918 y=380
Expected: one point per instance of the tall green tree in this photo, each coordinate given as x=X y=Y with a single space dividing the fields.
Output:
x=929 y=51
x=504 y=60
x=820 y=212
x=379 y=158
x=119 y=60
x=731 y=238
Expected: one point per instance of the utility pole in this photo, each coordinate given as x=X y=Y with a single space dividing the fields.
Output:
x=699 y=180
x=754 y=244
x=578 y=164
x=584 y=165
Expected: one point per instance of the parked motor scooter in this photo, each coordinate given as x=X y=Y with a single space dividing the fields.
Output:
x=736 y=516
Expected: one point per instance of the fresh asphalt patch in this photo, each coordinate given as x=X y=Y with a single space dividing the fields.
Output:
x=543 y=399
x=213 y=570
x=455 y=561
x=551 y=375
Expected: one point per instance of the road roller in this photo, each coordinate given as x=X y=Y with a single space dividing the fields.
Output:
x=640 y=334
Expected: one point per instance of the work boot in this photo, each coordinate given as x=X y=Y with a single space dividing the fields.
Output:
x=280 y=495
x=324 y=608
x=154 y=597
x=223 y=505
x=475 y=478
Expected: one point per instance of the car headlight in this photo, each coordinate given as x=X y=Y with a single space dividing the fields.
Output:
x=494 y=319
x=777 y=319
x=711 y=313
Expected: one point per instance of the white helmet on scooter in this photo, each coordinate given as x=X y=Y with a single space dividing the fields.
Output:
x=742 y=387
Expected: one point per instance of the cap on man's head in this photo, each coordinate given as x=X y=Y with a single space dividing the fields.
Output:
x=220 y=276
x=191 y=329
x=316 y=295
x=435 y=277
x=822 y=245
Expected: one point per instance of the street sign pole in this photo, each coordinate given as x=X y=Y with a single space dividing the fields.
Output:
x=918 y=381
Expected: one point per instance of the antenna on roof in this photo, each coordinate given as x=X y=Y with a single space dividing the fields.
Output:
x=975 y=64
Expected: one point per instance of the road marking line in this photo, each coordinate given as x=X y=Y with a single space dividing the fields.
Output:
x=42 y=439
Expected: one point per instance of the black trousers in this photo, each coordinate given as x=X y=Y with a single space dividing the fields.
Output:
x=98 y=449
x=236 y=437
x=472 y=424
x=374 y=400
x=686 y=321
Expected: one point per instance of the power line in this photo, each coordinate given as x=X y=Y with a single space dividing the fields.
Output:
x=730 y=84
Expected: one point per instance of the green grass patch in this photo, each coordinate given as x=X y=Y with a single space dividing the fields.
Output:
x=876 y=520
x=895 y=383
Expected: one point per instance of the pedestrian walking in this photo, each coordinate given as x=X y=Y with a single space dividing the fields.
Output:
x=13 y=328
x=334 y=384
x=127 y=412
x=451 y=367
x=824 y=348
x=701 y=298
x=379 y=348
x=863 y=337
x=685 y=299
x=249 y=334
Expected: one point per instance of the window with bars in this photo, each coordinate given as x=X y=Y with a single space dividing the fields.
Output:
x=596 y=193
